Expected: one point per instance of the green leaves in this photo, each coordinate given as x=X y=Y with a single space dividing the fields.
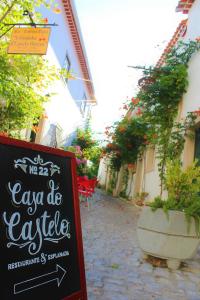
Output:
x=160 y=97
x=183 y=188
x=128 y=141
x=89 y=150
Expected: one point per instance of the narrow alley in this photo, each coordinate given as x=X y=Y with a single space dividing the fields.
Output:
x=115 y=269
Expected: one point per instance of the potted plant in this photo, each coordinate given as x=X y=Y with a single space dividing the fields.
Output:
x=170 y=228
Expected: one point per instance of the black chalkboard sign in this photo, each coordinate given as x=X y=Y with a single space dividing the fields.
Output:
x=41 y=254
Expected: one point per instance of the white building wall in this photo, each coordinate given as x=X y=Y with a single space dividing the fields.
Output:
x=191 y=100
x=61 y=109
x=102 y=173
x=152 y=183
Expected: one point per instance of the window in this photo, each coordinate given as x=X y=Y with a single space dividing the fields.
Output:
x=67 y=66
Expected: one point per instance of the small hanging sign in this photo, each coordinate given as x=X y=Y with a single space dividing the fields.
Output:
x=32 y=40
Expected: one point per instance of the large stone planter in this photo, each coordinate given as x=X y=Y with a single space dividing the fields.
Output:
x=167 y=237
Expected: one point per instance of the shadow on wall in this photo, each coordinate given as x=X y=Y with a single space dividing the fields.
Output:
x=53 y=137
x=70 y=138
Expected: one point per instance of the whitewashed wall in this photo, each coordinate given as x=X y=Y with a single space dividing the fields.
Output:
x=191 y=100
x=61 y=109
x=102 y=172
x=152 y=183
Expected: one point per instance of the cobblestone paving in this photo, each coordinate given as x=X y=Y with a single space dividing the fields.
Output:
x=115 y=268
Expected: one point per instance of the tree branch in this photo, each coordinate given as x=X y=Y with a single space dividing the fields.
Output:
x=7 y=11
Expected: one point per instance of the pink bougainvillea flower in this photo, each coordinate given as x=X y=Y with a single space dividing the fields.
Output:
x=197 y=39
x=78 y=161
x=78 y=149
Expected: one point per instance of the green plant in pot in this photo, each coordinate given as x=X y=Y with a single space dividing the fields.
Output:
x=170 y=228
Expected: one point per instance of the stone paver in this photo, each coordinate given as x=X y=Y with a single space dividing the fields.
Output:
x=115 y=269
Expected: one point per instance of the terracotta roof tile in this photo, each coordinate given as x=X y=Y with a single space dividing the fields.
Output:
x=78 y=46
x=180 y=32
x=184 y=6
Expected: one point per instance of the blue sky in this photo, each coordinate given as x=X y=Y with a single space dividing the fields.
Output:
x=117 y=34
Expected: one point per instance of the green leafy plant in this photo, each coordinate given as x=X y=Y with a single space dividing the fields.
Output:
x=183 y=187
x=125 y=177
x=128 y=140
x=155 y=113
x=84 y=139
x=87 y=152
x=93 y=155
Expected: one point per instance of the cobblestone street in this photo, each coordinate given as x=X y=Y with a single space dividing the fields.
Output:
x=115 y=268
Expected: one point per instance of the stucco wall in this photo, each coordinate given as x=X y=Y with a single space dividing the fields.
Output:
x=62 y=43
x=191 y=98
x=63 y=109
x=102 y=172
x=152 y=183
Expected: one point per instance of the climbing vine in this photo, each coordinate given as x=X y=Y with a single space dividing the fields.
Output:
x=160 y=94
x=155 y=109
x=127 y=141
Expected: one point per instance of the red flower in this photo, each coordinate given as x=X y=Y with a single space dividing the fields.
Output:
x=110 y=145
x=135 y=101
x=138 y=112
x=45 y=20
x=122 y=129
x=3 y=133
x=131 y=166
x=196 y=112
